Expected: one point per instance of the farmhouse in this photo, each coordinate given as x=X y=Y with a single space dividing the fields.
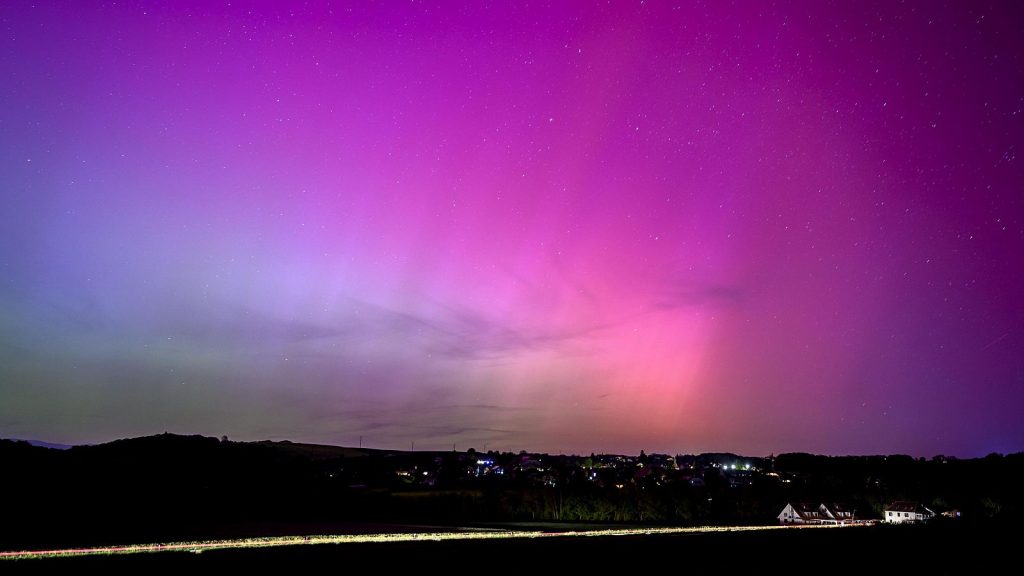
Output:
x=907 y=512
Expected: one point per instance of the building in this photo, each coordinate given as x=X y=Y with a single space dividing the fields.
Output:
x=804 y=513
x=840 y=512
x=801 y=513
x=906 y=512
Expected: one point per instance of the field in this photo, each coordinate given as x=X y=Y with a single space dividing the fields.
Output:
x=942 y=549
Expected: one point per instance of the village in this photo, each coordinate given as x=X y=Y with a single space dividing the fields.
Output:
x=697 y=479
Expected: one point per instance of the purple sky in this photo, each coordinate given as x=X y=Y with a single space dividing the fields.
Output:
x=561 y=226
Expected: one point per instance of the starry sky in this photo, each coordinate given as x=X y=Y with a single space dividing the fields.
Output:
x=571 y=227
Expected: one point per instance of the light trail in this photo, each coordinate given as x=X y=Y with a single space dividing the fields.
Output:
x=197 y=547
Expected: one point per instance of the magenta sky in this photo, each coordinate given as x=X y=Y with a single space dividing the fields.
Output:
x=551 y=227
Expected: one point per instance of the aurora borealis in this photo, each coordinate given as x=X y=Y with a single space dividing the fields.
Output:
x=573 y=227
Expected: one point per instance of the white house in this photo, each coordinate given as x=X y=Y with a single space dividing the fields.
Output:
x=804 y=513
x=841 y=513
x=907 y=512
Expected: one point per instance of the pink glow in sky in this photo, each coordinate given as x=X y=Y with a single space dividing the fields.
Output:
x=558 y=226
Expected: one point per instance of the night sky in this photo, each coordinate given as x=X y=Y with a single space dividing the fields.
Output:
x=756 y=227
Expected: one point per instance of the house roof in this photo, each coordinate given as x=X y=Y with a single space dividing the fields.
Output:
x=807 y=510
x=907 y=506
x=837 y=509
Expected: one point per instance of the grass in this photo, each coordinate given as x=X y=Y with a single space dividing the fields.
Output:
x=280 y=541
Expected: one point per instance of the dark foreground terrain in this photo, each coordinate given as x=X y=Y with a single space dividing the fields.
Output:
x=168 y=488
x=880 y=549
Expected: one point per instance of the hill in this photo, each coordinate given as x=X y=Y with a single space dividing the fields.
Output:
x=173 y=487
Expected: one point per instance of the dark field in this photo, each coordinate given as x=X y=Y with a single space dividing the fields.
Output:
x=879 y=549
